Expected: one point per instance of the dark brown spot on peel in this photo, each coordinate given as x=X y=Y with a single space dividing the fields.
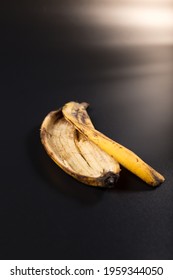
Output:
x=77 y=135
x=110 y=179
x=156 y=180
x=83 y=118
x=74 y=113
x=95 y=134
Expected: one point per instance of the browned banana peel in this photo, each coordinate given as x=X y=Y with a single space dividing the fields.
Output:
x=75 y=114
x=76 y=155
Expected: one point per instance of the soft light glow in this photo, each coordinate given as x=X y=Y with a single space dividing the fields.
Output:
x=127 y=22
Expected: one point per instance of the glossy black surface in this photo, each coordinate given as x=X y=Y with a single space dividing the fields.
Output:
x=49 y=57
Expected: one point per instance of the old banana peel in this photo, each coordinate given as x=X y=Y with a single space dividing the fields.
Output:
x=74 y=113
x=78 y=157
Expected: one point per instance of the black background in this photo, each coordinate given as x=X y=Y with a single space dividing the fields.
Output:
x=48 y=59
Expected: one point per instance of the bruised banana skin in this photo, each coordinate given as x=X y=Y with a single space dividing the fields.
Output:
x=74 y=154
x=124 y=156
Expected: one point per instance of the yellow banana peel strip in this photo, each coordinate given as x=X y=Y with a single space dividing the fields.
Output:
x=74 y=113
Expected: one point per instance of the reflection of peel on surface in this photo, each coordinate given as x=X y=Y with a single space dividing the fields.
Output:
x=73 y=112
x=77 y=156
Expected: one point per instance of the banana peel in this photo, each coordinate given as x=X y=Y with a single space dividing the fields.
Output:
x=75 y=114
x=76 y=155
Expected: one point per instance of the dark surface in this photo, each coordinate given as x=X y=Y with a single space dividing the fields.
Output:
x=47 y=60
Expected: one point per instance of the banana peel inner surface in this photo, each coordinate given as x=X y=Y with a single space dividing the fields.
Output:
x=76 y=155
